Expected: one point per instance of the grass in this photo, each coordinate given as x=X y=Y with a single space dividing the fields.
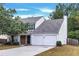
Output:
x=66 y=50
x=2 y=47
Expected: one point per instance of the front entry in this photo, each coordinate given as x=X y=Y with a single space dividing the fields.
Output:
x=23 y=39
x=28 y=39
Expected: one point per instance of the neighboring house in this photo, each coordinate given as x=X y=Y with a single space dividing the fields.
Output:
x=4 y=38
x=43 y=32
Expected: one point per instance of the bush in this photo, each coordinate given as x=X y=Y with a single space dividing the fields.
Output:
x=77 y=34
x=72 y=34
x=16 y=43
x=58 y=43
x=8 y=43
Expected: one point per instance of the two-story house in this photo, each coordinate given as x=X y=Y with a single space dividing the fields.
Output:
x=33 y=23
x=43 y=32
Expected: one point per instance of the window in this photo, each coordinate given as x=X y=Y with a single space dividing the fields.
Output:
x=31 y=26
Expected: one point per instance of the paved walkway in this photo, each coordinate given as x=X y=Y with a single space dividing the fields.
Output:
x=24 y=51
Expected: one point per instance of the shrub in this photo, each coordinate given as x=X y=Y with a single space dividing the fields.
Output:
x=77 y=34
x=72 y=34
x=16 y=43
x=8 y=43
x=58 y=43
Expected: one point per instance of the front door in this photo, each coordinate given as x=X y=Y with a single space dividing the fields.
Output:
x=28 y=39
x=23 y=39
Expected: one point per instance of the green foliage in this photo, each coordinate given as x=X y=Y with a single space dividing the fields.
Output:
x=72 y=24
x=72 y=11
x=8 y=24
x=68 y=9
x=14 y=43
x=16 y=28
x=72 y=34
x=77 y=34
x=58 y=13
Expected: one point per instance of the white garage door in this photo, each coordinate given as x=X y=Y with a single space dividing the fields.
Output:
x=36 y=41
x=49 y=40
x=43 y=40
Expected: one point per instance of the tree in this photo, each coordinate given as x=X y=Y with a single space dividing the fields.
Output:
x=8 y=24
x=64 y=8
x=57 y=14
x=74 y=34
x=72 y=11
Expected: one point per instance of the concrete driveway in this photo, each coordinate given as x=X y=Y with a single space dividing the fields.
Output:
x=24 y=51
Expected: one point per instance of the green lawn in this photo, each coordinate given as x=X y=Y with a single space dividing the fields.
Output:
x=2 y=47
x=66 y=50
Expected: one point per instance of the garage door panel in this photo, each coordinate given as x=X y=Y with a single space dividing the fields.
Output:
x=36 y=40
x=43 y=40
x=50 y=40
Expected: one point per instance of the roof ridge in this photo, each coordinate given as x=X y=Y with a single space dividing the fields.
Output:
x=32 y=17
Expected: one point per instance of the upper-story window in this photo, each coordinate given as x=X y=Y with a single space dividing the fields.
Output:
x=31 y=26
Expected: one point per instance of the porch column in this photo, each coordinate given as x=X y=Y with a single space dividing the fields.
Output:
x=19 y=39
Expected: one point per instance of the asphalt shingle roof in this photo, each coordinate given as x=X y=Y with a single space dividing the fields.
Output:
x=49 y=27
x=31 y=19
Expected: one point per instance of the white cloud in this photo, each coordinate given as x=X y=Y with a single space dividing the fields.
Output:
x=22 y=9
x=47 y=10
x=32 y=15
x=23 y=16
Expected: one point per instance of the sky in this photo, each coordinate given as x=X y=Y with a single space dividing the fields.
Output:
x=31 y=9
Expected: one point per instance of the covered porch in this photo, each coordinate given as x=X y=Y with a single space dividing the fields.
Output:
x=22 y=39
x=25 y=40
